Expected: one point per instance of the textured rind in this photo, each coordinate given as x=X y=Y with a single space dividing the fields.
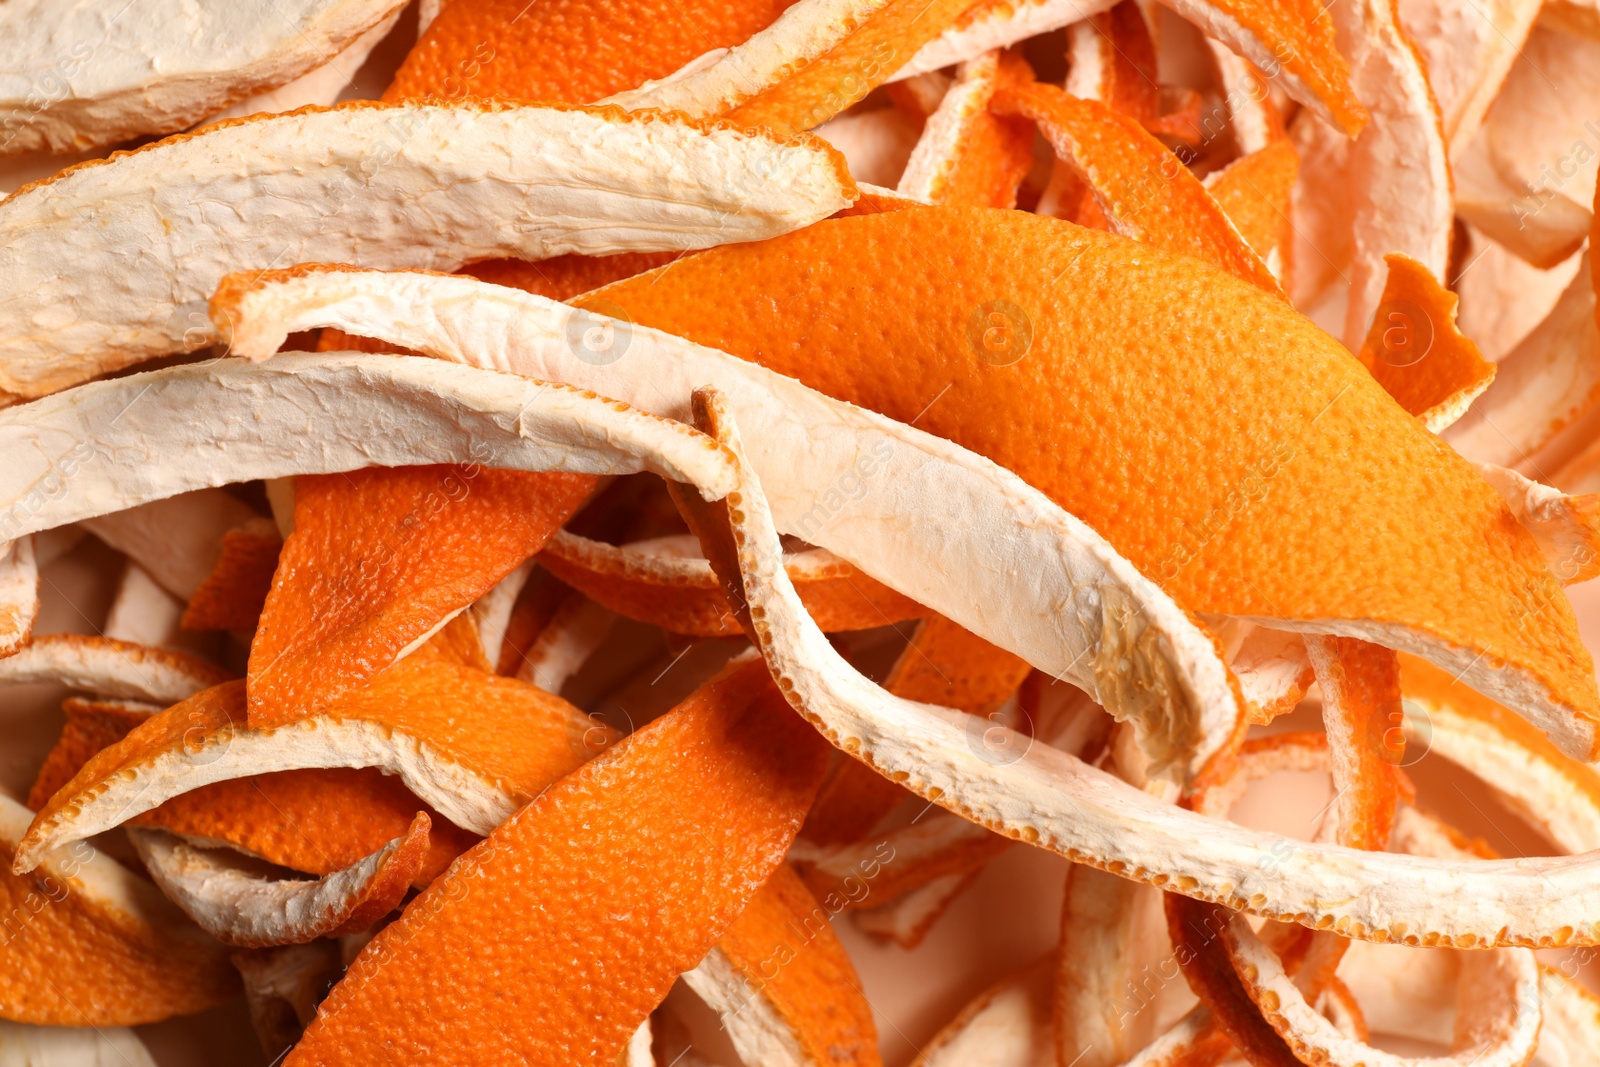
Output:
x=89 y=943
x=474 y=746
x=1074 y=610
x=76 y=76
x=111 y=668
x=241 y=908
x=379 y=185
x=1051 y=799
x=1007 y=1025
x=228 y=421
x=988 y=26
x=722 y=783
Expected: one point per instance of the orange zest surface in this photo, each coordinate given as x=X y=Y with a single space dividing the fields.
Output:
x=1288 y=520
x=985 y=157
x=1415 y=349
x=569 y=51
x=1253 y=192
x=1144 y=190
x=281 y=817
x=380 y=557
x=70 y=956
x=233 y=594
x=697 y=809
x=784 y=947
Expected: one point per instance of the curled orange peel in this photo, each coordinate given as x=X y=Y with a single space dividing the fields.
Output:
x=784 y=985
x=657 y=583
x=19 y=593
x=88 y=943
x=967 y=154
x=379 y=559
x=1008 y=1023
x=859 y=464
x=455 y=162
x=242 y=908
x=1254 y=192
x=232 y=595
x=1417 y=352
x=815 y=59
x=474 y=746
x=1145 y=191
x=279 y=817
x=106 y=667
x=722 y=782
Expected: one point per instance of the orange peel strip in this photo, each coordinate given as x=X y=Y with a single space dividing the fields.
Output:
x=110 y=668
x=1438 y=384
x=1051 y=799
x=721 y=782
x=905 y=859
x=1567 y=527
x=1255 y=193
x=394 y=411
x=1541 y=386
x=491 y=613
x=379 y=559
x=575 y=632
x=475 y=746
x=1253 y=117
x=1557 y=795
x=244 y=909
x=1107 y=386
x=655 y=582
x=1273 y=672
x=941 y=664
x=995 y=24
x=146 y=75
x=1185 y=717
x=784 y=985
x=907 y=918
x=1099 y=952
x=571 y=51
x=1467 y=59
x=1145 y=191
x=1395 y=181
x=659 y=183
x=232 y=595
x=177 y=540
x=142 y=612
x=816 y=59
x=281 y=818
x=1360 y=685
x=966 y=154
x=1007 y=1025
x=88 y=943
x=19 y=593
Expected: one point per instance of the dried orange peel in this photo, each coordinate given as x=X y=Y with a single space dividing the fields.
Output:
x=239 y=907
x=91 y=944
x=712 y=182
x=472 y=745
x=151 y=74
x=722 y=782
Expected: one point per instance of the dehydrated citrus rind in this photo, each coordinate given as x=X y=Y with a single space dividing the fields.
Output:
x=238 y=421
x=1007 y=1025
x=391 y=186
x=241 y=908
x=177 y=540
x=966 y=155
x=110 y=668
x=167 y=68
x=1145 y=191
x=473 y=746
x=95 y=945
x=907 y=469
x=1564 y=525
x=722 y=781
x=1048 y=798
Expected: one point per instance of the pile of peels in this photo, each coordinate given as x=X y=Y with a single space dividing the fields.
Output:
x=594 y=542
